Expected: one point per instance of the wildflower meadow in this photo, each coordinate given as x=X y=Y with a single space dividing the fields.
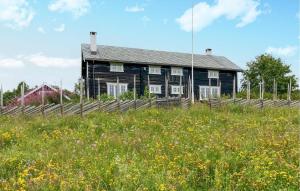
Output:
x=229 y=148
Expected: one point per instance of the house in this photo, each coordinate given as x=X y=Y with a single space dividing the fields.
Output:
x=34 y=96
x=166 y=74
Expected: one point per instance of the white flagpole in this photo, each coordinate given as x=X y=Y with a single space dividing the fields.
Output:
x=193 y=98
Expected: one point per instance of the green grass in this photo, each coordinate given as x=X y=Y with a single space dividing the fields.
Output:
x=233 y=148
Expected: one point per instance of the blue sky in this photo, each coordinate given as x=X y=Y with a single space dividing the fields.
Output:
x=40 y=40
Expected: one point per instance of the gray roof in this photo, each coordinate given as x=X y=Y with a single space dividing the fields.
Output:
x=153 y=57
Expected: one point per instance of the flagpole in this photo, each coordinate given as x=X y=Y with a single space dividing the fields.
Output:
x=193 y=99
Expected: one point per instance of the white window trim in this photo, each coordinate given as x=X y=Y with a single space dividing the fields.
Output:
x=115 y=84
x=176 y=86
x=210 y=92
x=154 y=86
x=154 y=72
x=116 y=64
x=213 y=72
x=173 y=73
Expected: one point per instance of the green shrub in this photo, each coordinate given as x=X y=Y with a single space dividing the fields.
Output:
x=105 y=98
x=127 y=96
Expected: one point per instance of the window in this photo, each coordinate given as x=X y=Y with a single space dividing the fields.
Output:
x=176 y=90
x=155 y=89
x=204 y=92
x=213 y=74
x=112 y=89
x=176 y=71
x=154 y=70
x=116 y=67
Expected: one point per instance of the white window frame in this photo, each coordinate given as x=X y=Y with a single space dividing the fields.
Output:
x=155 y=70
x=108 y=84
x=207 y=92
x=176 y=71
x=155 y=89
x=175 y=89
x=213 y=74
x=116 y=67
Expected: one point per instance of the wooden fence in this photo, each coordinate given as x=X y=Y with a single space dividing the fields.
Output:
x=123 y=106
x=259 y=103
x=88 y=107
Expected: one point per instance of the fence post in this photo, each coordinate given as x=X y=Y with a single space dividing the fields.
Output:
x=117 y=92
x=149 y=94
x=134 y=90
x=220 y=86
x=99 y=94
x=248 y=91
x=1 y=99
x=180 y=88
x=220 y=92
x=261 y=94
x=22 y=97
x=61 y=99
x=234 y=90
x=189 y=88
x=209 y=92
x=43 y=100
x=87 y=82
x=167 y=88
x=81 y=97
x=289 y=92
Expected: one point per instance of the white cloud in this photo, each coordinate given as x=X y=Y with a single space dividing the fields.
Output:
x=41 y=30
x=16 y=14
x=11 y=63
x=282 y=51
x=60 y=28
x=134 y=9
x=44 y=61
x=245 y=11
x=39 y=60
x=76 y=7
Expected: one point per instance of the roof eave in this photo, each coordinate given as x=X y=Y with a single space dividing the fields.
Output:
x=164 y=64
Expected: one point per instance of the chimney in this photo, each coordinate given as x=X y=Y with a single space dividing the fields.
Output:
x=93 y=42
x=208 y=51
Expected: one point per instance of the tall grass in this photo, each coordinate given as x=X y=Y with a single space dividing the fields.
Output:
x=232 y=148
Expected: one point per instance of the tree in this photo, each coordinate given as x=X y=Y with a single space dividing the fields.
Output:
x=18 y=90
x=268 y=68
x=10 y=95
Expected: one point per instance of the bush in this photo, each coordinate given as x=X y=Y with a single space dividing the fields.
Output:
x=105 y=98
x=127 y=96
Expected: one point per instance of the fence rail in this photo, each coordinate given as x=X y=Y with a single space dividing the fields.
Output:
x=123 y=106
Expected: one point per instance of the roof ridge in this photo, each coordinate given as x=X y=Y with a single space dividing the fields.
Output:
x=123 y=47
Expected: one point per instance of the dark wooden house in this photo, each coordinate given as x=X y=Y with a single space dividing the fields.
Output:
x=105 y=67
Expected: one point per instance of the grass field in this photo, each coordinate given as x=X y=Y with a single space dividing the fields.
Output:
x=233 y=148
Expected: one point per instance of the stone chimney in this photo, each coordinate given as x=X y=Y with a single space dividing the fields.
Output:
x=93 y=43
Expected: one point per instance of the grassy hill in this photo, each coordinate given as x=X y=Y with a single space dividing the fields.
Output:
x=233 y=148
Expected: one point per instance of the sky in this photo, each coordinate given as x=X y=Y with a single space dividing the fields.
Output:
x=40 y=40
